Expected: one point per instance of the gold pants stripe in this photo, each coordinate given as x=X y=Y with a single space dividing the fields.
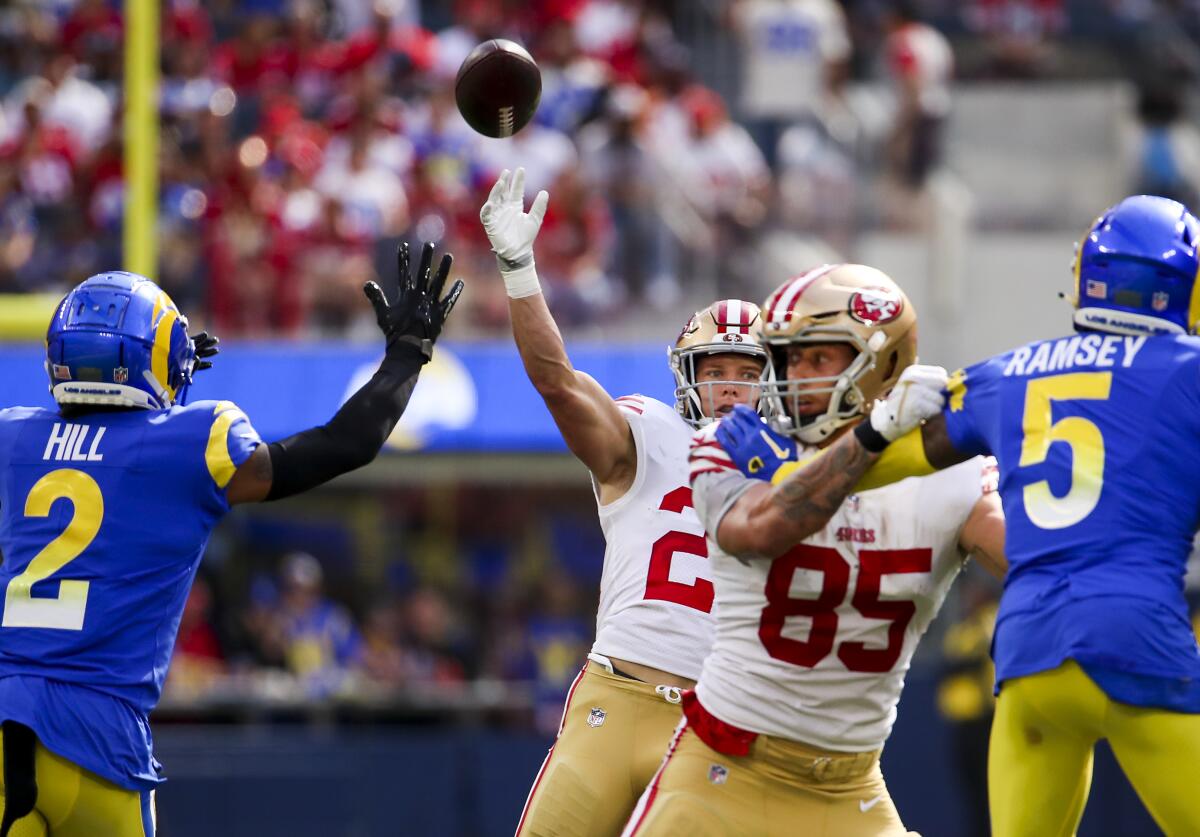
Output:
x=612 y=739
x=550 y=754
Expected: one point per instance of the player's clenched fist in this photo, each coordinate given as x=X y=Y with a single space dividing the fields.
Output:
x=917 y=396
x=512 y=231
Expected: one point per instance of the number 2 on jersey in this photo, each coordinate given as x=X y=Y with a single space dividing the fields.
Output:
x=873 y=565
x=1039 y=431
x=700 y=593
x=65 y=612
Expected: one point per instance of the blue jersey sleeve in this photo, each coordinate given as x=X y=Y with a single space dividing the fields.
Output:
x=8 y=426
x=970 y=407
x=231 y=441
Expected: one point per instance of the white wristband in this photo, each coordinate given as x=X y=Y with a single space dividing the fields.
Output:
x=521 y=282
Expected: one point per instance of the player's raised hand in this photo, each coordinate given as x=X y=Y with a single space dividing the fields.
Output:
x=512 y=231
x=419 y=312
x=917 y=396
x=754 y=447
x=205 y=345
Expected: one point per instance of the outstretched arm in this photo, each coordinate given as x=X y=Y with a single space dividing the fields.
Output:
x=918 y=453
x=356 y=433
x=586 y=415
x=768 y=520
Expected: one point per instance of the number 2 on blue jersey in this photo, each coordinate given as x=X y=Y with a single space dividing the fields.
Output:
x=65 y=612
x=1039 y=431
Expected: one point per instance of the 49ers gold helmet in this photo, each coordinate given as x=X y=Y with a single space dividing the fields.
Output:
x=842 y=303
x=728 y=326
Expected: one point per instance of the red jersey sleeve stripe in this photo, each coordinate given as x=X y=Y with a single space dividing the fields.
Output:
x=717 y=463
x=713 y=451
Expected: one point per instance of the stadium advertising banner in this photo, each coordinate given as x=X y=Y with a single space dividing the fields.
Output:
x=471 y=396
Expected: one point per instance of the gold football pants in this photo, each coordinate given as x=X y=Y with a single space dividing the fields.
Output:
x=73 y=802
x=612 y=738
x=1040 y=757
x=781 y=789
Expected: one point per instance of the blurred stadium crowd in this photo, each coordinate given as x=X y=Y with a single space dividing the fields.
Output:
x=405 y=602
x=301 y=139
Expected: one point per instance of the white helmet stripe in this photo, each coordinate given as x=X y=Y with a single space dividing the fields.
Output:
x=735 y=313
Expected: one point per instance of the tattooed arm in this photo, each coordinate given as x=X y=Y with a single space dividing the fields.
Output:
x=768 y=520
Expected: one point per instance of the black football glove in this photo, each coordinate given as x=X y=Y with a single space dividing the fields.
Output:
x=419 y=312
x=206 y=346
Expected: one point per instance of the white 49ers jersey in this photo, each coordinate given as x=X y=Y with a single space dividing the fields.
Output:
x=656 y=592
x=813 y=646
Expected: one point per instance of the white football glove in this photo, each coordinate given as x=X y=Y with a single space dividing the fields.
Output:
x=916 y=397
x=512 y=231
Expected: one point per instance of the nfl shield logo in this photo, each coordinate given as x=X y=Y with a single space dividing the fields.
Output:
x=120 y=375
x=717 y=774
x=596 y=717
x=1160 y=300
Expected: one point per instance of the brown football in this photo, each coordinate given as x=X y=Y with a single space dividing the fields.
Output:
x=498 y=88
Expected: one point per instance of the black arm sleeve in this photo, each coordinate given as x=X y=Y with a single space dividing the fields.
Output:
x=354 y=436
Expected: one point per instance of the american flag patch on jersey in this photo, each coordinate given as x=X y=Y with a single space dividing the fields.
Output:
x=707 y=456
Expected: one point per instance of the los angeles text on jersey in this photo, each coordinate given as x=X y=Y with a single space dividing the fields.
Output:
x=1094 y=350
x=67 y=443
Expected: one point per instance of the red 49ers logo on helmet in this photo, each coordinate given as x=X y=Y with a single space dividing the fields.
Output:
x=691 y=325
x=876 y=306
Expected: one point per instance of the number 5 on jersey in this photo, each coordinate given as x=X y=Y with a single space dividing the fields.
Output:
x=1044 y=508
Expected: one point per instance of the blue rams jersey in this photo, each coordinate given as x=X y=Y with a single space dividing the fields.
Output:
x=103 y=520
x=1098 y=442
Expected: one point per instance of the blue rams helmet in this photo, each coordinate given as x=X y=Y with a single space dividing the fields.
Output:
x=118 y=339
x=1136 y=269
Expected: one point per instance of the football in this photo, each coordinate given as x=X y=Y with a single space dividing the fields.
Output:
x=498 y=88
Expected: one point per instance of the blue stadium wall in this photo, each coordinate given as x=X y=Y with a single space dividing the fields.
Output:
x=363 y=781
x=471 y=397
